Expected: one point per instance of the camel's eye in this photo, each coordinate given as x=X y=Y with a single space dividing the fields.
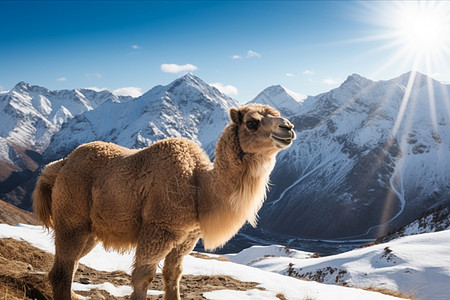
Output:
x=252 y=125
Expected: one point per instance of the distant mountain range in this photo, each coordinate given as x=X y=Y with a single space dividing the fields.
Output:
x=187 y=107
x=367 y=153
x=369 y=156
x=30 y=115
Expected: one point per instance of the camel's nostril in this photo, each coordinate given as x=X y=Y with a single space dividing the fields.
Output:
x=287 y=126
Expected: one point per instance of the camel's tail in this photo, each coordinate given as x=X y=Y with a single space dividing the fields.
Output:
x=42 y=195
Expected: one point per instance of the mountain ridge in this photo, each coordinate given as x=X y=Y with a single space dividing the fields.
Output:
x=364 y=156
x=357 y=148
x=180 y=108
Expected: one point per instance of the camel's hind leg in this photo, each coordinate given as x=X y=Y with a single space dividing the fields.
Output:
x=69 y=248
x=153 y=245
x=90 y=244
x=173 y=265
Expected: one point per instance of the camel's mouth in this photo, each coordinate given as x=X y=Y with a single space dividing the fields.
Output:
x=283 y=141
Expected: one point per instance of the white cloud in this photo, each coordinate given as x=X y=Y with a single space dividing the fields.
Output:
x=308 y=72
x=128 y=91
x=97 y=89
x=330 y=81
x=61 y=79
x=252 y=53
x=226 y=89
x=135 y=47
x=96 y=75
x=289 y=74
x=174 y=68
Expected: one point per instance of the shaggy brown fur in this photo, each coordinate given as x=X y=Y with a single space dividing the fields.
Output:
x=160 y=199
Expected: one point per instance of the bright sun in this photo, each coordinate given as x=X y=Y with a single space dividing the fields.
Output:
x=417 y=33
x=421 y=27
x=411 y=36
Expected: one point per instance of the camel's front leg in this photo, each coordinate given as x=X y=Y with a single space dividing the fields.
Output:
x=153 y=245
x=173 y=266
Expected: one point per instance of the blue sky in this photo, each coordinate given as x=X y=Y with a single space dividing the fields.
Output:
x=241 y=46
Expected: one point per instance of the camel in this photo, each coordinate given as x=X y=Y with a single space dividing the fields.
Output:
x=160 y=199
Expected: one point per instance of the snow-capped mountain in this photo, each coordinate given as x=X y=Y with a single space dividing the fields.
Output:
x=32 y=114
x=186 y=107
x=285 y=101
x=367 y=153
x=29 y=116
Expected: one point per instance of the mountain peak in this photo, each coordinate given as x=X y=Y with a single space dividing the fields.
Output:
x=357 y=79
x=356 y=76
x=280 y=92
x=189 y=75
x=190 y=79
x=189 y=82
x=281 y=98
x=419 y=79
x=24 y=87
x=21 y=86
x=275 y=88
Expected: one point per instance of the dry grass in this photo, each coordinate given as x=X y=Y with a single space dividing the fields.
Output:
x=23 y=271
x=390 y=292
x=10 y=214
x=204 y=256
x=281 y=296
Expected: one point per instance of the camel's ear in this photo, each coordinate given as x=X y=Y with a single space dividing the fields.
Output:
x=235 y=116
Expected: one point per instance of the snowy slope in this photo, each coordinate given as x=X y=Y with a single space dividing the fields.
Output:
x=416 y=264
x=255 y=253
x=433 y=221
x=367 y=153
x=187 y=107
x=272 y=283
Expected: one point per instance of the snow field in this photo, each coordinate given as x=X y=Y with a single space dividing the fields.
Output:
x=271 y=283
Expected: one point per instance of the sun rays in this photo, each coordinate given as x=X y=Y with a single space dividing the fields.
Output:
x=414 y=37
x=422 y=28
x=420 y=31
x=417 y=33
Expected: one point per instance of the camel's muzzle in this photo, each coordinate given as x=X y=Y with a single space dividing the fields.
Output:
x=284 y=135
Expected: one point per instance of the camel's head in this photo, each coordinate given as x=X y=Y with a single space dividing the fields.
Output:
x=261 y=129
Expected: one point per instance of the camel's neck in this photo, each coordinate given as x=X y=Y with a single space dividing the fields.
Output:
x=234 y=190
